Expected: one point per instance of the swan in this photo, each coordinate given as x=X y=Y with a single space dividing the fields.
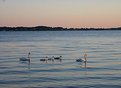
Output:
x=24 y=58
x=82 y=60
x=44 y=59
x=57 y=58
x=51 y=58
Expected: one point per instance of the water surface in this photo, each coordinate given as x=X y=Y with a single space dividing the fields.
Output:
x=102 y=47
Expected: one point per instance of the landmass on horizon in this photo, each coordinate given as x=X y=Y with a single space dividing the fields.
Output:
x=46 y=28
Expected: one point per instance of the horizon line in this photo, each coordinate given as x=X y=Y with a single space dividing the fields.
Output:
x=61 y=27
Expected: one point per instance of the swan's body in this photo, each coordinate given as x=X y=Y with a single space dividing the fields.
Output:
x=51 y=58
x=44 y=59
x=24 y=58
x=79 y=60
x=57 y=58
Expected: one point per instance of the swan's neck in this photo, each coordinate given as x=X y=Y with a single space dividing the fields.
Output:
x=85 y=57
x=28 y=55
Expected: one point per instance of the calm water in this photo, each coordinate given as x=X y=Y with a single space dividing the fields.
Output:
x=102 y=47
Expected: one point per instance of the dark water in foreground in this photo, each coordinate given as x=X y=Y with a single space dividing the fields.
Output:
x=102 y=47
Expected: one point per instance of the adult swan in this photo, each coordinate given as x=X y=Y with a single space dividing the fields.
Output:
x=25 y=59
x=84 y=60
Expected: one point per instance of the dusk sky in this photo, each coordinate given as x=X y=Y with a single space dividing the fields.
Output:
x=64 y=13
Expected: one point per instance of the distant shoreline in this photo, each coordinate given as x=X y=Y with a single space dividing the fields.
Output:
x=46 y=28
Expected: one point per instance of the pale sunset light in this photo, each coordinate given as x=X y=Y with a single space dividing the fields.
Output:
x=64 y=13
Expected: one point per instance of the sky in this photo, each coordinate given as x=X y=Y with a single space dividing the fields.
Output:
x=62 y=13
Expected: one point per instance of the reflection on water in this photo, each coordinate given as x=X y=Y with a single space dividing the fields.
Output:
x=103 y=67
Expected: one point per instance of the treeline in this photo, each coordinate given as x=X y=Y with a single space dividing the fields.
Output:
x=45 y=28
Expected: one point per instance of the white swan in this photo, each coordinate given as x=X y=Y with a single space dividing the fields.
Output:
x=24 y=58
x=82 y=60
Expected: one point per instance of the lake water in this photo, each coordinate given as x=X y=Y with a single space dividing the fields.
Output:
x=103 y=49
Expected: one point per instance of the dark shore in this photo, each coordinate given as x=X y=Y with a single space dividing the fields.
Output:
x=46 y=28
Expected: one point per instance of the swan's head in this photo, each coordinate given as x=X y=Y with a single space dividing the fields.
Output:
x=29 y=53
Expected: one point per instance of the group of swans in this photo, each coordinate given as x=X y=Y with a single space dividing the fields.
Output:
x=84 y=60
x=46 y=58
x=52 y=58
